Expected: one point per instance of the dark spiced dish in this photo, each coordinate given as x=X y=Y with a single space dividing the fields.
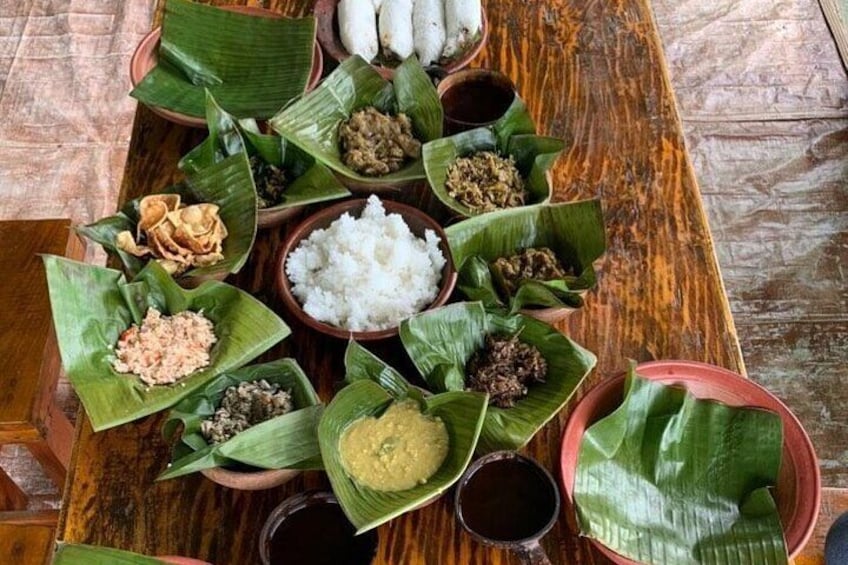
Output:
x=533 y=263
x=270 y=182
x=504 y=368
x=485 y=182
x=243 y=406
x=376 y=144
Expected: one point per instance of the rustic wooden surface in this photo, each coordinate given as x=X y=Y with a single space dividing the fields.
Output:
x=592 y=73
x=30 y=544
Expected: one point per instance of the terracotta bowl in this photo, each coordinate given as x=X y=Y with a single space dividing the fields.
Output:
x=146 y=56
x=176 y=560
x=269 y=218
x=798 y=489
x=256 y=480
x=328 y=36
x=417 y=221
x=366 y=187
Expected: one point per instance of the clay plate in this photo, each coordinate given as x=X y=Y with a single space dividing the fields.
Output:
x=145 y=58
x=328 y=36
x=798 y=489
x=256 y=480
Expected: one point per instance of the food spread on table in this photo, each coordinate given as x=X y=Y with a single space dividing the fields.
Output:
x=177 y=235
x=492 y=374
x=434 y=30
x=400 y=449
x=164 y=349
x=366 y=273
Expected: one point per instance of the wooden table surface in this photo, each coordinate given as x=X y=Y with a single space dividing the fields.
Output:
x=591 y=72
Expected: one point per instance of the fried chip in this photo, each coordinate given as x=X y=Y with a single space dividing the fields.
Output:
x=179 y=237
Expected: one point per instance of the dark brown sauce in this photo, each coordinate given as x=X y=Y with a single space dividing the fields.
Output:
x=507 y=500
x=320 y=534
x=476 y=102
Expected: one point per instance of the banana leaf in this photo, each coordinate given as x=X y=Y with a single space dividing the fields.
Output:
x=312 y=122
x=228 y=183
x=573 y=231
x=311 y=181
x=462 y=413
x=534 y=156
x=289 y=441
x=252 y=65
x=668 y=478
x=79 y=554
x=440 y=343
x=93 y=305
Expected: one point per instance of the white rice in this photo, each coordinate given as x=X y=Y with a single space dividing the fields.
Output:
x=366 y=274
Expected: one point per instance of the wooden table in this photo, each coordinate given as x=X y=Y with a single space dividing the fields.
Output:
x=593 y=73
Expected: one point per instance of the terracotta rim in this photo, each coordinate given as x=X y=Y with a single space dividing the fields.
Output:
x=328 y=37
x=325 y=217
x=731 y=389
x=177 y=560
x=257 y=480
x=144 y=59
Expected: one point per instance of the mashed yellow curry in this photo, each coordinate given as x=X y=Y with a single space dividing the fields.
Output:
x=396 y=451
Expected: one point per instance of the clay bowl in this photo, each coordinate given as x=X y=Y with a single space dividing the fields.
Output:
x=798 y=489
x=417 y=221
x=269 y=217
x=146 y=56
x=176 y=560
x=250 y=480
x=328 y=37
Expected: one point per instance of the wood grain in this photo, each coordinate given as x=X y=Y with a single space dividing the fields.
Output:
x=593 y=73
x=26 y=544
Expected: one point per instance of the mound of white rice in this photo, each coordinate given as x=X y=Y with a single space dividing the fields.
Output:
x=366 y=274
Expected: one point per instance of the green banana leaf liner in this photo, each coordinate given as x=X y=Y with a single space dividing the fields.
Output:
x=312 y=123
x=79 y=554
x=93 y=305
x=512 y=135
x=289 y=441
x=573 y=231
x=440 y=343
x=311 y=181
x=229 y=184
x=252 y=65
x=669 y=478
x=462 y=413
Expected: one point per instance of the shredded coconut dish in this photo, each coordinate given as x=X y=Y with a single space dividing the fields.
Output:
x=164 y=349
x=368 y=273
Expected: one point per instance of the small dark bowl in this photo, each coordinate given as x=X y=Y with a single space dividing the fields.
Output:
x=146 y=56
x=417 y=221
x=798 y=489
x=328 y=36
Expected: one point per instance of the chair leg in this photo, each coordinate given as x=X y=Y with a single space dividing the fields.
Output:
x=11 y=496
x=53 y=467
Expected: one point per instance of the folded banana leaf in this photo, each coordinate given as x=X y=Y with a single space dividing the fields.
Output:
x=227 y=183
x=440 y=343
x=252 y=65
x=93 y=305
x=513 y=135
x=668 y=478
x=289 y=441
x=573 y=231
x=312 y=122
x=462 y=413
x=311 y=181
x=79 y=554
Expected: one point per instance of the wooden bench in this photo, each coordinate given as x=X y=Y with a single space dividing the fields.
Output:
x=29 y=356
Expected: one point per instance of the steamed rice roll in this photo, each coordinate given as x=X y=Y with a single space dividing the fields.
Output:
x=463 y=21
x=428 y=23
x=358 y=28
x=396 y=28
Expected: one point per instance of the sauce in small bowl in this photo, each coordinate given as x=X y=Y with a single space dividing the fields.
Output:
x=474 y=98
x=311 y=529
